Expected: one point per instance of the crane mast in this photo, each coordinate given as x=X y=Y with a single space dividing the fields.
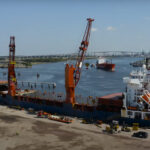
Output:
x=82 y=51
x=11 y=68
x=72 y=74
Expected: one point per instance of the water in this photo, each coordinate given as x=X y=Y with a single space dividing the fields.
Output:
x=93 y=82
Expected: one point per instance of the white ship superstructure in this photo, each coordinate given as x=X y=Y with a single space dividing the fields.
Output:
x=101 y=60
x=136 y=102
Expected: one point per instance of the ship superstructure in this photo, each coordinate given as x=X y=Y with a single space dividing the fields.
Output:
x=136 y=102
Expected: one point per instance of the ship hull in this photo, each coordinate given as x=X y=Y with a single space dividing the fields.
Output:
x=80 y=111
x=130 y=121
x=106 y=66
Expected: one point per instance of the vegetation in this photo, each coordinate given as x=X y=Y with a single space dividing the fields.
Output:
x=44 y=60
x=29 y=61
x=27 y=64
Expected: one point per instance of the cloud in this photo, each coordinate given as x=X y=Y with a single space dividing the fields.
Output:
x=110 y=28
x=94 y=29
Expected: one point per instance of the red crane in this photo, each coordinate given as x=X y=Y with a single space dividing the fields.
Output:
x=11 y=68
x=72 y=74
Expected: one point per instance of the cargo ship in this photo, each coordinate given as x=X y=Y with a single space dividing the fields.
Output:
x=101 y=108
x=131 y=106
x=105 y=64
x=51 y=102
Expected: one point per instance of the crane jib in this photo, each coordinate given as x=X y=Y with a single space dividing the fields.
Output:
x=72 y=74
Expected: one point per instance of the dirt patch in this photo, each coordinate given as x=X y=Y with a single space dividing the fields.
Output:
x=3 y=130
x=64 y=135
x=20 y=147
x=31 y=147
x=9 y=119
x=44 y=128
x=49 y=128
x=94 y=147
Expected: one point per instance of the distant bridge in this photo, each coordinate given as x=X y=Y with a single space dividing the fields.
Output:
x=89 y=54
x=116 y=53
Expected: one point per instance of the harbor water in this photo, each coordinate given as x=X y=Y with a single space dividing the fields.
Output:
x=93 y=82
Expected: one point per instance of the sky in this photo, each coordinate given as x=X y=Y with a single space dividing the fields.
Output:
x=45 y=27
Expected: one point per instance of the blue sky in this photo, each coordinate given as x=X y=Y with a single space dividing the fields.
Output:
x=43 y=27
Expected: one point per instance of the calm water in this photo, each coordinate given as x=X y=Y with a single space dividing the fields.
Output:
x=93 y=82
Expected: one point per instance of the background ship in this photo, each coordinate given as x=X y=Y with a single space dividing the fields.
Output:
x=105 y=64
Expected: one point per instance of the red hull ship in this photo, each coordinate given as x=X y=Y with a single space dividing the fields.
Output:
x=104 y=64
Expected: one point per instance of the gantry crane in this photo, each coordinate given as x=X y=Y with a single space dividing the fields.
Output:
x=72 y=74
x=11 y=68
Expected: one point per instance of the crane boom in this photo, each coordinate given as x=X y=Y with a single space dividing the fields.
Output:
x=82 y=51
x=11 y=68
x=72 y=74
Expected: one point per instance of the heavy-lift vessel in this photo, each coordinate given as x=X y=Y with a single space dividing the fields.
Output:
x=100 y=109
